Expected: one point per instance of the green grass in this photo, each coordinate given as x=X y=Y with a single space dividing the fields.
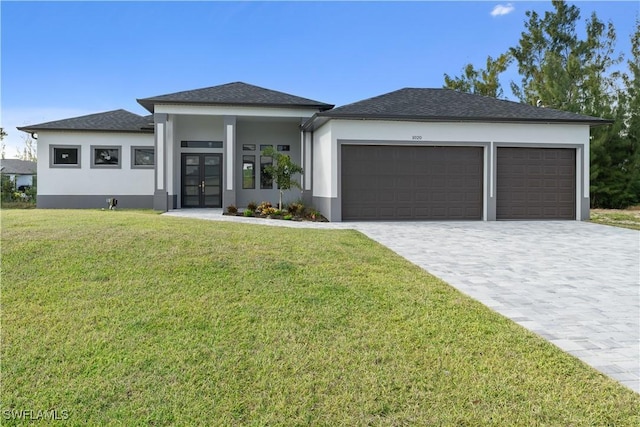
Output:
x=619 y=218
x=130 y=318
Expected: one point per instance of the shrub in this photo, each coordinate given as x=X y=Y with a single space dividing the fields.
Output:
x=263 y=206
x=287 y=217
x=268 y=211
x=252 y=206
x=295 y=208
x=232 y=209
x=248 y=212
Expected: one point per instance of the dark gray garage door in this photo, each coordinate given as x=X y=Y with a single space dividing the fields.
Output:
x=408 y=183
x=536 y=183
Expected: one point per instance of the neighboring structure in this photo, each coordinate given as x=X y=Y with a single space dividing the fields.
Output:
x=20 y=172
x=410 y=154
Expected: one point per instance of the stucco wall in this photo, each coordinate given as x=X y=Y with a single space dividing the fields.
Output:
x=325 y=174
x=324 y=162
x=264 y=132
x=91 y=181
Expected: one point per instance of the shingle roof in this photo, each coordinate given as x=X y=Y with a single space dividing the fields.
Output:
x=450 y=105
x=18 y=167
x=237 y=93
x=115 y=121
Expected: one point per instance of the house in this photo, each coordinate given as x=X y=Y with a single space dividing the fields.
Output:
x=20 y=172
x=412 y=154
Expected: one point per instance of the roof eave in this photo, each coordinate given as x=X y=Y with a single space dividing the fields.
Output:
x=150 y=103
x=37 y=129
x=329 y=116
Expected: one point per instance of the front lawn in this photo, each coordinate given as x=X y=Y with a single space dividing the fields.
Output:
x=625 y=218
x=116 y=317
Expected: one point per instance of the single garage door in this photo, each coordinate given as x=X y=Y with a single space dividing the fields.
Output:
x=411 y=183
x=536 y=183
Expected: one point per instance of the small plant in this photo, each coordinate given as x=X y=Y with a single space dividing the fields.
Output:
x=248 y=212
x=315 y=215
x=282 y=171
x=277 y=212
x=287 y=217
x=268 y=211
x=232 y=209
x=252 y=206
x=295 y=208
x=263 y=206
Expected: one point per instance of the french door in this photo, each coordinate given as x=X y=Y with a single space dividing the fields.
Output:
x=201 y=181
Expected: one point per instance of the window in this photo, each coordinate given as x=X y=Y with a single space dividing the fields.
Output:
x=64 y=156
x=201 y=144
x=248 y=147
x=266 y=183
x=248 y=172
x=284 y=148
x=105 y=156
x=142 y=157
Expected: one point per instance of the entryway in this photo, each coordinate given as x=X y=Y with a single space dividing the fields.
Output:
x=201 y=180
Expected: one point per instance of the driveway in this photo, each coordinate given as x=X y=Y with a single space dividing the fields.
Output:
x=576 y=284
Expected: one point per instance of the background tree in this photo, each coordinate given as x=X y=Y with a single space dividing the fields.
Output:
x=28 y=152
x=3 y=145
x=281 y=171
x=562 y=70
x=481 y=81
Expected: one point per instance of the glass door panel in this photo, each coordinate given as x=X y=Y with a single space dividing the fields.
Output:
x=202 y=180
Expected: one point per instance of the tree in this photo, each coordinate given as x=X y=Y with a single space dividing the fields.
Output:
x=29 y=150
x=481 y=81
x=281 y=171
x=564 y=71
x=3 y=145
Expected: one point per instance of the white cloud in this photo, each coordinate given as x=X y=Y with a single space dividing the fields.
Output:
x=500 y=9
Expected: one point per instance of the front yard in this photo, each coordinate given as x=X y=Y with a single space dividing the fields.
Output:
x=117 y=317
x=625 y=218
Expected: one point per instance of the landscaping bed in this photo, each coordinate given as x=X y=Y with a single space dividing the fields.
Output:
x=296 y=211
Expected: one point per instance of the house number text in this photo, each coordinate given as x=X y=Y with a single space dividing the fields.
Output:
x=416 y=137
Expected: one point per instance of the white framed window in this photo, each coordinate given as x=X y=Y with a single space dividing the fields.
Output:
x=106 y=156
x=64 y=156
x=143 y=157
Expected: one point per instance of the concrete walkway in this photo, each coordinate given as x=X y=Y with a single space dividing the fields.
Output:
x=576 y=284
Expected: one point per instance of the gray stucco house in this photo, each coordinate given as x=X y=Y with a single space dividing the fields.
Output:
x=20 y=172
x=412 y=154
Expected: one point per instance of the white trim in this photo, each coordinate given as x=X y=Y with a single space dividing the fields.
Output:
x=160 y=155
x=492 y=166
x=230 y=156
x=216 y=110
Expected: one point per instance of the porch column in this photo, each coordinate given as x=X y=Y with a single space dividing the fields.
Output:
x=229 y=162
x=490 y=175
x=160 y=195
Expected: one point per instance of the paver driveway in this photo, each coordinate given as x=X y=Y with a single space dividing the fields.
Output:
x=576 y=284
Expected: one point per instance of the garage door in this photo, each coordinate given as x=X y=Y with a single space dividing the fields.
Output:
x=536 y=183
x=410 y=183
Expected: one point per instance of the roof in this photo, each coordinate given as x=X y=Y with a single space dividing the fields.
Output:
x=237 y=93
x=18 y=167
x=418 y=104
x=114 y=121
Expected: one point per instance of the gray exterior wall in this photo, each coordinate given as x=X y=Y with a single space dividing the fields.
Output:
x=94 y=201
x=330 y=207
x=262 y=132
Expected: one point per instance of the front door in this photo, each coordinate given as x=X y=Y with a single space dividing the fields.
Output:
x=201 y=181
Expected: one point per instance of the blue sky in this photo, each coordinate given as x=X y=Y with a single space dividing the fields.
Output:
x=64 y=59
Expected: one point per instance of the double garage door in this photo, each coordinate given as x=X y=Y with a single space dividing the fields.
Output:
x=446 y=183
